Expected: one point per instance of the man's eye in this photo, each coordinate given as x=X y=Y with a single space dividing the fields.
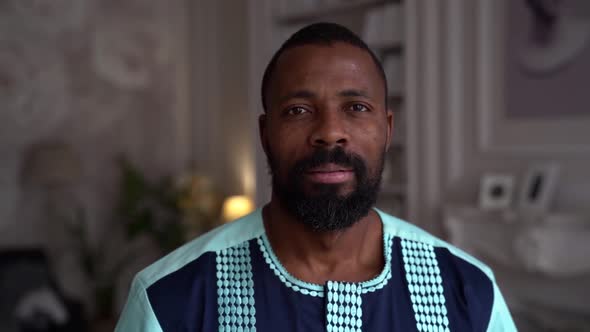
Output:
x=296 y=111
x=358 y=108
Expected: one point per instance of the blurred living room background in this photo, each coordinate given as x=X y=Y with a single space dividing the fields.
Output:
x=128 y=127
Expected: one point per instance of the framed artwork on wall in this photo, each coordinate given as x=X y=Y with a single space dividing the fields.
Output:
x=523 y=106
x=547 y=59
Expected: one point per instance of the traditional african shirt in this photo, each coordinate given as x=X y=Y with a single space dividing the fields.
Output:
x=231 y=280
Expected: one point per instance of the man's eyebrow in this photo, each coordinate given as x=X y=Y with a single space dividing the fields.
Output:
x=306 y=94
x=298 y=94
x=353 y=93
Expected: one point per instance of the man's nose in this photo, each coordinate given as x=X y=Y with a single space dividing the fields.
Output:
x=329 y=129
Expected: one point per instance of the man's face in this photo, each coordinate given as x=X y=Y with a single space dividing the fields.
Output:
x=325 y=133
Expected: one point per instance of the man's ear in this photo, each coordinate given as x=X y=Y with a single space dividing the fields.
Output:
x=262 y=131
x=389 y=133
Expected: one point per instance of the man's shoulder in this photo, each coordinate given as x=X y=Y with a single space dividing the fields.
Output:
x=406 y=231
x=222 y=237
x=469 y=284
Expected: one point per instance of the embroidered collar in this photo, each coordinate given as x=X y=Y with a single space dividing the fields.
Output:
x=312 y=289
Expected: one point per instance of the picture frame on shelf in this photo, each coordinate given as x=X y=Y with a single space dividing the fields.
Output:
x=538 y=189
x=496 y=191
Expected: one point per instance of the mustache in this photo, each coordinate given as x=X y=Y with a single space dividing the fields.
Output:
x=336 y=156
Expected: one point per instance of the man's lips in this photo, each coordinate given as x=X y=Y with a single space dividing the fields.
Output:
x=330 y=173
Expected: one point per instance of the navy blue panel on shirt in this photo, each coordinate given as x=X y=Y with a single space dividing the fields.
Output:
x=279 y=308
x=391 y=306
x=186 y=300
x=468 y=291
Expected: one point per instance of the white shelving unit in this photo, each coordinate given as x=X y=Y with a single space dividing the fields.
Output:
x=381 y=24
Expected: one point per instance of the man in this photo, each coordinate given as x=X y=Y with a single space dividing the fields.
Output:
x=319 y=256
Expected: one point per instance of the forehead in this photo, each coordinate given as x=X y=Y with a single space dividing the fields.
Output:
x=338 y=65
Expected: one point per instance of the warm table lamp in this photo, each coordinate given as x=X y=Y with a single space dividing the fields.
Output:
x=235 y=207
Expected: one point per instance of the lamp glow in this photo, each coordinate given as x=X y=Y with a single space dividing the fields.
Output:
x=235 y=207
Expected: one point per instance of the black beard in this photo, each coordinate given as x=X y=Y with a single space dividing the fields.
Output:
x=326 y=210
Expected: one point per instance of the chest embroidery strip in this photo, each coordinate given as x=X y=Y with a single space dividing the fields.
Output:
x=235 y=290
x=425 y=286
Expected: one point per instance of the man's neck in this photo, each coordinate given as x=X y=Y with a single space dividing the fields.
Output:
x=354 y=254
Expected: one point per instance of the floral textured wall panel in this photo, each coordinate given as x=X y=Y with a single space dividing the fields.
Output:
x=84 y=60
x=99 y=77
